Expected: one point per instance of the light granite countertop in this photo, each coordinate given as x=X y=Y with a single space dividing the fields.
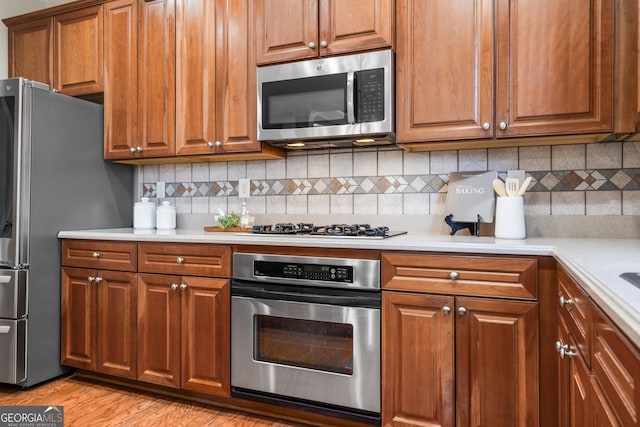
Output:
x=595 y=263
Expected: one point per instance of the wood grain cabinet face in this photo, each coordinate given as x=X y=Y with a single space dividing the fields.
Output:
x=99 y=317
x=78 y=59
x=451 y=359
x=120 y=79
x=31 y=50
x=552 y=79
x=185 y=259
x=107 y=255
x=291 y=29
x=184 y=332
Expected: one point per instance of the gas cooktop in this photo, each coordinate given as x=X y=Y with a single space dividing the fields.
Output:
x=360 y=231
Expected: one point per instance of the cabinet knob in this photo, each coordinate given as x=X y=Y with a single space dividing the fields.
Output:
x=503 y=125
x=96 y=254
x=311 y=45
x=218 y=144
x=559 y=345
x=486 y=126
x=565 y=301
x=462 y=311
x=210 y=144
x=98 y=279
x=174 y=286
x=323 y=44
x=179 y=260
x=139 y=149
x=183 y=286
x=454 y=275
x=567 y=352
x=446 y=309
x=133 y=149
x=90 y=279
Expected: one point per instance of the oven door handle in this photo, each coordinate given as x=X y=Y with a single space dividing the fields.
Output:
x=344 y=298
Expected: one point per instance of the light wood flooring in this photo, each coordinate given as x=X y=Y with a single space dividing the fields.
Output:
x=88 y=404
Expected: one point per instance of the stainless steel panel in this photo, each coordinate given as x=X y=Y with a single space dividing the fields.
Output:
x=366 y=271
x=361 y=390
x=13 y=351
x=13 y=294
x=326 y=66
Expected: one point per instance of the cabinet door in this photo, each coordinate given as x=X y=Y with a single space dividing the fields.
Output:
x=31 y=50
x=156 y=82
x=121 y=78
x=580 y=378
x=355 y=25
x=286 y=30
x=444 y=66
x=79 y=318
x=496 y=363
x=117 y=323
x=206 y=335
x=556 y=77
x=417 y=360
x=602 y=414
x=236 y=78
x=196 y=76
x=78 y=66
x=159 y=329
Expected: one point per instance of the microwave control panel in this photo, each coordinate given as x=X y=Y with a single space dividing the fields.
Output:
x=370 y=95
x=315 y=272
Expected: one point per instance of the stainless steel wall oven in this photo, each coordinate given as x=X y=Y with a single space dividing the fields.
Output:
x=305 y=333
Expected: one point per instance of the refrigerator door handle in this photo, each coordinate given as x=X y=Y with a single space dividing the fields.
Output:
x=5 y=279
x=4 y=329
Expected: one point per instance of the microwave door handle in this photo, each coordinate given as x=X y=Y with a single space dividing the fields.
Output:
x=351 y=117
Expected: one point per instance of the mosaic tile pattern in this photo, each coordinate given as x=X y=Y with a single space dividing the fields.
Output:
x=543 y=181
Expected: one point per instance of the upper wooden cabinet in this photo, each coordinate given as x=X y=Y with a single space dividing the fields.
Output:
x=487 y=69
x=31 y=50
x=63 y=50
x=121 y=78
x=78 y=59
x=297 y=29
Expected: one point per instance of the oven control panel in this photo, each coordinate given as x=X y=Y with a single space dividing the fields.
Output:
x=304 y=271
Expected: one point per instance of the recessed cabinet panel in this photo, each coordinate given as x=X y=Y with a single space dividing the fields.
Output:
x=78 y=63
x=121 y=77
x=156 y=82
x=554 y=78
x=444 y=69
x=31 y=50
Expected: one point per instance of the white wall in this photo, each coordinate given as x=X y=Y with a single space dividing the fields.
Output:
x=9 y=8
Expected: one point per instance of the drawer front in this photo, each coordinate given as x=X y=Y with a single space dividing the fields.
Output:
x=573 y=305
x=187 y=259
x=13 y=293
x=461 y=275
x=615 y=363
x=100 y=254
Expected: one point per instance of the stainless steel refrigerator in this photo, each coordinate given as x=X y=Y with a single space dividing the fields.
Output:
x=52 y=177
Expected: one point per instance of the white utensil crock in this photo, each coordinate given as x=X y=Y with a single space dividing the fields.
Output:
x=510 y=218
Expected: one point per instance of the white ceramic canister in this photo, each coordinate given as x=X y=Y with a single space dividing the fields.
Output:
x=166 y=216
x=144 y=214
x=510 y=218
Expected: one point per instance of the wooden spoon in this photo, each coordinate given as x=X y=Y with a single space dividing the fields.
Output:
x=524 y=186
x=498 y=187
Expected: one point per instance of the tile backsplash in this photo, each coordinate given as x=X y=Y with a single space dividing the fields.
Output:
x=579 y=180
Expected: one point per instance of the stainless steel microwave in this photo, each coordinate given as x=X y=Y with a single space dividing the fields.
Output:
x=336 y=101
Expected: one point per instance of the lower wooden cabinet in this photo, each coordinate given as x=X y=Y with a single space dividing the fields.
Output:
x=99 y=331
x=184 y=332
x=459 y=361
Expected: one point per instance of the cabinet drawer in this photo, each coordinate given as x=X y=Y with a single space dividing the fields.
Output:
x=615 y=363
x=188 y=259
x=573 y=306
x=461 y=275
x=100 y=254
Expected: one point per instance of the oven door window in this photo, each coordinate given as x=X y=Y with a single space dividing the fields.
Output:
x=7 y=107
x=305 y=102
x=311 y=344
